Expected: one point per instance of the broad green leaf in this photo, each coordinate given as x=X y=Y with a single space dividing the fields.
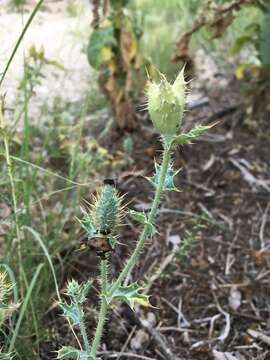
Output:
x=100 y=39
x=131 y=294
x=169 y=180
x=264 y=45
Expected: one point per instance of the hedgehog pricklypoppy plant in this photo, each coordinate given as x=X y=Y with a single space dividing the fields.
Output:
x=166 y=106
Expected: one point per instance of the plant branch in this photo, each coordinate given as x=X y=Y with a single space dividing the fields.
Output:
x=147 y=227
x=135 y=255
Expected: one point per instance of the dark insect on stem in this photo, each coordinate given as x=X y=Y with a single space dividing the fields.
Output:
x=109 y=182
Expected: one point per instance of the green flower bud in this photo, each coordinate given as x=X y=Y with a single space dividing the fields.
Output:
x=166 y=103
x=102 y=219
x=106 y=210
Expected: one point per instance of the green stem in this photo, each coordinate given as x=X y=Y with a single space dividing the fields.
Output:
x=147 y=228
x=103 y=309
x=134 y=257
x=82 y=328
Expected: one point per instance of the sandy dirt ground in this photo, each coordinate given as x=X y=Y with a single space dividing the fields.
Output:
x=63 y=37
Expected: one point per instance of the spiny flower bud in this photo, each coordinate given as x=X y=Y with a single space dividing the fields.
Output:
x=106 y=210
x=166 y=103
x=102 y=219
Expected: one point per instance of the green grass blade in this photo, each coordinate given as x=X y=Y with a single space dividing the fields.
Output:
x=42 y=245
x=47 y=171
x=35 y=10
x=23 y=307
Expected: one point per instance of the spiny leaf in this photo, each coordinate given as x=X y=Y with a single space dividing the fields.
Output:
x=169 y=180
x=141 y=218
x=69 y=352
x=78 y=292
x=131 y=295
x=71 y=312
x=87 y=224
x=192 y=134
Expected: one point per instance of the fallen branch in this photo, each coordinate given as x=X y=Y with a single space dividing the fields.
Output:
x=259 y=336
x=257 y=185
x=160 y=340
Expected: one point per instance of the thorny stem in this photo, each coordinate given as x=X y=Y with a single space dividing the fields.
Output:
x=147 y=227
x=134 y=257
x=103 y=309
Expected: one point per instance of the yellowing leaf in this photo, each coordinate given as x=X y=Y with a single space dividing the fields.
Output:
x=142 y=301
x=131 y=294
x=106 y=54
x=240 y=71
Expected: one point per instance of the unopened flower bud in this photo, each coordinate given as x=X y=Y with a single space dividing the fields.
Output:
x=166 y=103
x=106 y=210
